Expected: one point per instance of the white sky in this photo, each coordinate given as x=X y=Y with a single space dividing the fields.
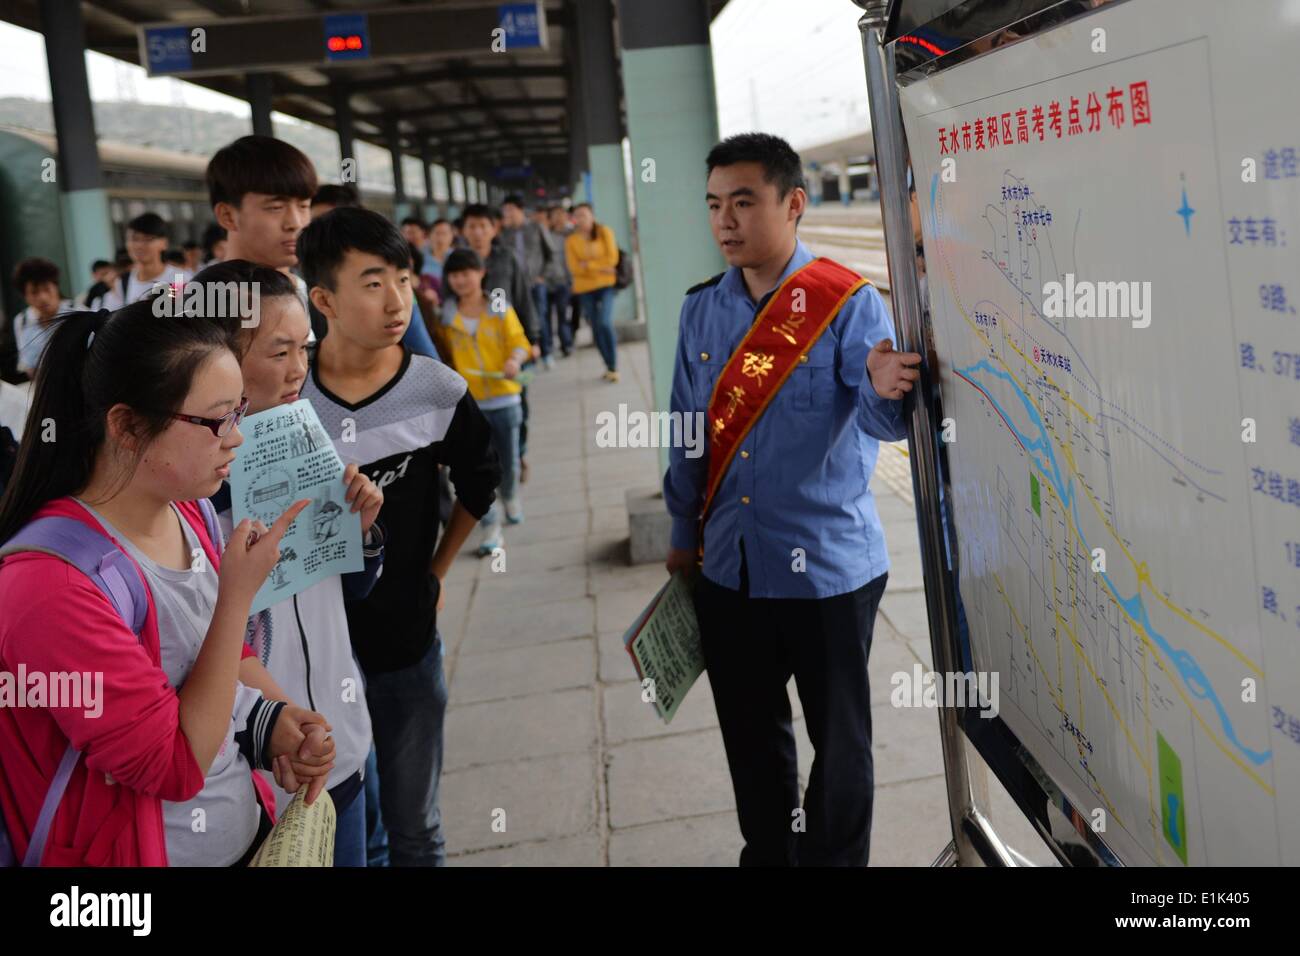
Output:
x=789 y=67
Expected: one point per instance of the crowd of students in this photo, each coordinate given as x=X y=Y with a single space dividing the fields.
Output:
x=415 y=344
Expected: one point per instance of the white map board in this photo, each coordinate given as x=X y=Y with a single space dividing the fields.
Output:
x=1130 y=685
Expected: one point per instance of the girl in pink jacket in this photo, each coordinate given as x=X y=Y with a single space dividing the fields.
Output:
x=135 y=417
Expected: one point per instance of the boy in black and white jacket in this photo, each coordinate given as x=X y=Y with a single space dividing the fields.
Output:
x=401 y=415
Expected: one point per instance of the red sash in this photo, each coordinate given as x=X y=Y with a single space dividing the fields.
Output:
x=774 y=346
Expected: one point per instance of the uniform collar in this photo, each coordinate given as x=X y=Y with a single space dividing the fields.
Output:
x=734 y=282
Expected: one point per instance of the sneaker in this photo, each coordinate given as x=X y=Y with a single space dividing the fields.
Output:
x=514 y=511
x=548 y=362
x=491 y=541
x=611 y=376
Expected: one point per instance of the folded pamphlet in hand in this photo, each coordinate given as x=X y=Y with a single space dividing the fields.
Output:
x=664 y=643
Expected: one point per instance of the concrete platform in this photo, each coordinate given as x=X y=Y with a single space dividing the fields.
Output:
x=552 y=759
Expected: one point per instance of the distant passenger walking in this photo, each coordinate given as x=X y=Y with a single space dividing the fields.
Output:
x=146 y=241
x=592 y=253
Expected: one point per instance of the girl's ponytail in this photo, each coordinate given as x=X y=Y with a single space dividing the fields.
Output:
x=138 y=356
x=59 y=437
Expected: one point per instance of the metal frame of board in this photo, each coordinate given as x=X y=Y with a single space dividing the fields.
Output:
x=903 y=41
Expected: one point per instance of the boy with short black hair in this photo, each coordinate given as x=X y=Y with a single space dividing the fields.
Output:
x=401 y=415
x=102 y=277
x=332 y=195
x=261 y=190
x=37 y=281
x=482 y=226
x=146 y=244
x=416 y=232
x=503 y=269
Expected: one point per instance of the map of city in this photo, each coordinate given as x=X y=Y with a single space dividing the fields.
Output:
x=1116 y=549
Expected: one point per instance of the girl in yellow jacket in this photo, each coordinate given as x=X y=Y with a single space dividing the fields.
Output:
x=592 y=253
x=485 y=343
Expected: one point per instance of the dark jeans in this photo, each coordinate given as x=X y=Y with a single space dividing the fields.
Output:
x=751 y=647
x=505 y=424
x=598 y=307
x=553 y=300
x=376 y=835
x=407 y=707
x=350 y=830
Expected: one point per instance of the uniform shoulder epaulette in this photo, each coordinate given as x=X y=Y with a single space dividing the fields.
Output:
x=706 y=283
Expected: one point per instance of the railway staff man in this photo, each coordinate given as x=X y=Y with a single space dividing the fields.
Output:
x=790 y=359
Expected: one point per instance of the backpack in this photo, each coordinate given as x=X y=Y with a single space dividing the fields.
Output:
x=623 y=271
x=98 y=558
x=623 y=267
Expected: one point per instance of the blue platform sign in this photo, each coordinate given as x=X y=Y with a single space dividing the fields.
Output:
x=167 y=49
x=522 y=23
x=518 y=171
x=347 y=36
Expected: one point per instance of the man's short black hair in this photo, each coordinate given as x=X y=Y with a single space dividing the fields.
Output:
x=100 y=264
x=259 y=164
x=149 y=224
x=513 y=200
x=326 y=241
x=478 y=210
x=433 y=225
x=781 y=164
x=415 y=221
x=189 y=244
x=35 y=271
x=336 y=195
x=174 y=257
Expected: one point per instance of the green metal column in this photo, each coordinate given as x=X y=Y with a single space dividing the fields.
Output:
x=672 y=124
x=83 y=204
x=607 y=185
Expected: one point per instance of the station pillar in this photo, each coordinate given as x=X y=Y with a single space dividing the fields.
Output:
x=672 y=124
x=258 y=86
x=83 y=204
x=349 y=168
x=606 y=187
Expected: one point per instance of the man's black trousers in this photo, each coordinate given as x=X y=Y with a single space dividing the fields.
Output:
x=752 y=647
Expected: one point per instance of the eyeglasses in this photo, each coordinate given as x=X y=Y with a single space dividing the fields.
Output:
x=221 y=427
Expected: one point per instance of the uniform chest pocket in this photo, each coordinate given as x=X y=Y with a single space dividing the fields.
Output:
x=705 y=369
x=812 y=383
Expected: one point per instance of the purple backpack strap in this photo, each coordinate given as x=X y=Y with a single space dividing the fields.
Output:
x=94 y=555
x=36 y=848
x=209 y=511
x=97 y=557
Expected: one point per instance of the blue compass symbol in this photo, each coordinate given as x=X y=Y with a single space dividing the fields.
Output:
x=1186 y=212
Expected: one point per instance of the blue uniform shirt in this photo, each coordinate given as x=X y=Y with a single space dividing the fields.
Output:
x=809 y=526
